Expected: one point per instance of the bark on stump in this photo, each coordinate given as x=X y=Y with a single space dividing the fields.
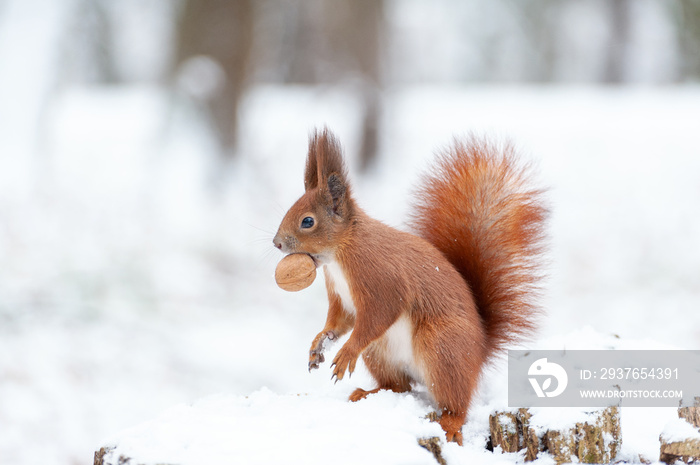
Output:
x=687 y=450
x=691 y=414
x=504 y=431
x=531 y=442
x=433 y=446
x=594 y=441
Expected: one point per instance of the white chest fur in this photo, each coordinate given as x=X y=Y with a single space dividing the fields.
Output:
x=399 y=344
x=341 y=287
x=398 y=339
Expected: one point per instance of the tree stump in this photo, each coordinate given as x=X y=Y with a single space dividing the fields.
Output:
x=687 y=451
x=596 y=440
x=504 y=431
x=561 y=445
x=680 y=440
x=599 y=442
x=433 y=446
x=530 y=439
x=691 y=414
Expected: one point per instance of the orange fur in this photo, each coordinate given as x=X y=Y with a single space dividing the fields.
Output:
x=428 y=308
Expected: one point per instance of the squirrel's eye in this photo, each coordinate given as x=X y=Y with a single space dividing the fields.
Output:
x=307 y=222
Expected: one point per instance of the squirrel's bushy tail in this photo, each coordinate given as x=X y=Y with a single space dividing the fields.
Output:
x=478 y=208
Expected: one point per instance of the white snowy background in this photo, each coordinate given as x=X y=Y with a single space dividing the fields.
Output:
x=129 y=286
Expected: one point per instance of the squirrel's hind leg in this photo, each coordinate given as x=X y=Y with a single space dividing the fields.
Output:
x=452 y=366
x=452 y=423
x=359 y=394
x=387 y=376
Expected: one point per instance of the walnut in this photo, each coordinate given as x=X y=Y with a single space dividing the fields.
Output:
x=295 y=272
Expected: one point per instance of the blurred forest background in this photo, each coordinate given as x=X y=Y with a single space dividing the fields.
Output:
x=149 y=148
x=208 y=52
x=150 y=70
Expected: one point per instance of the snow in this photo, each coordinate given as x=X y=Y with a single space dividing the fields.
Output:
x=264 y=427
x=679 y=430
x=136 y=280
x=132 y=291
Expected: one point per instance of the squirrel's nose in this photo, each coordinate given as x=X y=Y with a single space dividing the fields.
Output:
x=277 y=243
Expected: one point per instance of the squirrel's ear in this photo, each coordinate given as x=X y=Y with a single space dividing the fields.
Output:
x=337 y=188
x=326 y=155
x=311 y=172
x=329 y=154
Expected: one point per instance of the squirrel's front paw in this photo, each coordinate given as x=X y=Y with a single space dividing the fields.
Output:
x=345 y=359
x=317 y=346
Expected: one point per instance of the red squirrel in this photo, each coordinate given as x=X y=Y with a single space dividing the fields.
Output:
x=432 y=306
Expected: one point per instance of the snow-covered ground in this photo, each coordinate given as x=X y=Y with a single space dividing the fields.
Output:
x=130 y=285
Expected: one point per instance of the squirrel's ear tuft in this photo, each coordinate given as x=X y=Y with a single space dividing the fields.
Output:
x=337 y=188
x=311 y=171
x=326 y=157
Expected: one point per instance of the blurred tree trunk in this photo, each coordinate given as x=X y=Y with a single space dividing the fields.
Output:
x=360 y=29
x=355 y=29
x=538 y=22
x=99 y=21
x=90 y=52
x=221 y=30
x=340 y=42
x=688 y=25
x=618 y=47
